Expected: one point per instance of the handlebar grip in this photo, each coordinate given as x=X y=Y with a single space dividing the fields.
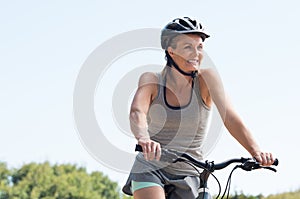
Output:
x=276 y=162
x=166 y=155
x=138 y=148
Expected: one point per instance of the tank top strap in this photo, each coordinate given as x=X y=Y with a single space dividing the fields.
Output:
x=160 y=86
x=197 y=88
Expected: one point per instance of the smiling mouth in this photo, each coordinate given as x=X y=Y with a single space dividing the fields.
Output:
x=194 y=62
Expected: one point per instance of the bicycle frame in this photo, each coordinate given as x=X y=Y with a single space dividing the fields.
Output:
x=204 y=191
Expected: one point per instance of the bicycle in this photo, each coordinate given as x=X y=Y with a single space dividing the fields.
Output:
x=247 y=164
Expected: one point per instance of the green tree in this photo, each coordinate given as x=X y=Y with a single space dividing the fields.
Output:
x=127 y=197
x=35 y=181
x=4 y=181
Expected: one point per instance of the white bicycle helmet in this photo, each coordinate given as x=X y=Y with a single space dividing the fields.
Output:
x=183 y=25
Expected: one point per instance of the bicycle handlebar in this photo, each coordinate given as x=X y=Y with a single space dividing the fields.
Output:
x=172 y=156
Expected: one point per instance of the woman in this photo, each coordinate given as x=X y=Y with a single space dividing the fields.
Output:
x=171 y=110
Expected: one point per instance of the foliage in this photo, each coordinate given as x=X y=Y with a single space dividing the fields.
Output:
x=287 y=195
x=127 y=197
x=4 y=181
x=55 y=182
x=241 y=195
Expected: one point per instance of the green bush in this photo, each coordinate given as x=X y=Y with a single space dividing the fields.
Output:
x=37 y=181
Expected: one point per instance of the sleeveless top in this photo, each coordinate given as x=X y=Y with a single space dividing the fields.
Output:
x=180 y=128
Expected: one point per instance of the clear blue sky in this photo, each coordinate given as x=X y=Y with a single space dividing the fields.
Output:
x=254 y=46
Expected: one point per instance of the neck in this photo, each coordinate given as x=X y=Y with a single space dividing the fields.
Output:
x=177 y=79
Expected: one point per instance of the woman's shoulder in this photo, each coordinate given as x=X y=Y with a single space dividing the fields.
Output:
x=148 y=82
x=213 y=82
x=207 y=72
x=210 y=76
x=149 y=78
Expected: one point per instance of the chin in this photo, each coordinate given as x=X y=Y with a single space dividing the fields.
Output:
x=192 y=68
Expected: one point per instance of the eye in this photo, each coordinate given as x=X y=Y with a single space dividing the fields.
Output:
x=200 y=47
x=187 y=47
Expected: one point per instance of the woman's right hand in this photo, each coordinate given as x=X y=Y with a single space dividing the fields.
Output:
x=151 y=149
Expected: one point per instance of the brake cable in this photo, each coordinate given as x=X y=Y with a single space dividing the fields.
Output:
x=247 y=166
x=227 y=188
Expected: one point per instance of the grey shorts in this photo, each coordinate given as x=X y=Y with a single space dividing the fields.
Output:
x=176 y=186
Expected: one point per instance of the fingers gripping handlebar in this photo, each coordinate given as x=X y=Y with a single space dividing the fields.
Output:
x=167 y=155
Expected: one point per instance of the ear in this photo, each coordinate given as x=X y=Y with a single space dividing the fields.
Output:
x=170 y=51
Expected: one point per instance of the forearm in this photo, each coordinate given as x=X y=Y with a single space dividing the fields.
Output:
x=138 y=124
x=239 y=131
x=139 y=127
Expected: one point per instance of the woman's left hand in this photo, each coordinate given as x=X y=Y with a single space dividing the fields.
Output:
x=265 y=159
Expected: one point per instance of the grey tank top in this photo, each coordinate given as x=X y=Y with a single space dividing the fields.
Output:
x=180 y=128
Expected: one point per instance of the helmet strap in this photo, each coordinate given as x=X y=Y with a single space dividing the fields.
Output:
x=171 y=62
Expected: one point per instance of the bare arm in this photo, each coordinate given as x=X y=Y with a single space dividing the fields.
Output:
x=231 y=119
x=146 y=92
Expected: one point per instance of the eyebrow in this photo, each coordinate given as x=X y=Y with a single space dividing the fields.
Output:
x=188 y=43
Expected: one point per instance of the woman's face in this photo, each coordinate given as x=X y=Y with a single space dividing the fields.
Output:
x=187 y=51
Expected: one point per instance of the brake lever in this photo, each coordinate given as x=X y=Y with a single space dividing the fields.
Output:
x=252 y=165
x=249 y=165
x=269 y=168
x=266 y=167
x=169 y=155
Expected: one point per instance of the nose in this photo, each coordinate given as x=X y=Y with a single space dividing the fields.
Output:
x=196 y=52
